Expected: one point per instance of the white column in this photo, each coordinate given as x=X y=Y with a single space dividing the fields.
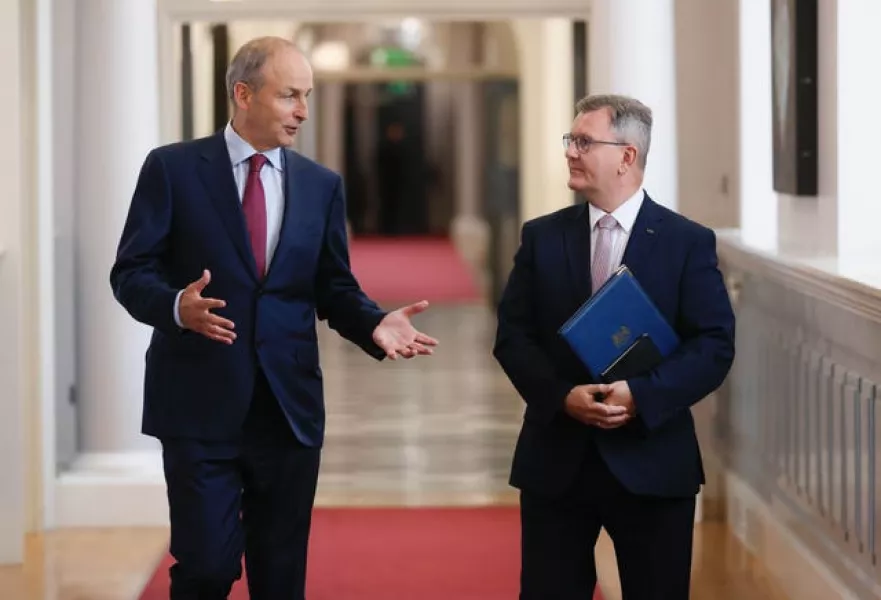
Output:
x=470 y=231
x=12 y=359
x=632 y=52
x=547 y=111
x=118 y=118
x=117 y=125
x=203 y=79
x=330 y=121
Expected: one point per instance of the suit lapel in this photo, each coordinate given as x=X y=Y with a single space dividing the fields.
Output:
x=640 y=247
x=296 y=206
x=577 y=241
x=215 y=170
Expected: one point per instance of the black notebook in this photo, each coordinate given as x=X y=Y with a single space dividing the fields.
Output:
x=641 y=357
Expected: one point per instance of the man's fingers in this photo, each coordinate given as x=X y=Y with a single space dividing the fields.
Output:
x=611 y=422
x=209 y=303
x=608 y=410
x=421 y=338
x=598 y=388
x=415 y=309
x=218 y=321
x=221 y=335
x=202 y=282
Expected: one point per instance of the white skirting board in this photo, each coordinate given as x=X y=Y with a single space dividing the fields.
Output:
x=112 y=490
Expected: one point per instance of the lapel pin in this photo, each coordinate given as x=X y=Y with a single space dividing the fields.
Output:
x=650 y=231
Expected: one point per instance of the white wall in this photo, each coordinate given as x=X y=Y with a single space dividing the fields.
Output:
x=839 y=224
x=858 y=126
x=807 y=225
x=12 y=376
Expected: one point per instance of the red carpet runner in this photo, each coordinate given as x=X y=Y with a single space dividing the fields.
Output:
x=404 y=554
x=408 y=269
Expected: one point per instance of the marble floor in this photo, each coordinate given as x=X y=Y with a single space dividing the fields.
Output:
x=435 y=431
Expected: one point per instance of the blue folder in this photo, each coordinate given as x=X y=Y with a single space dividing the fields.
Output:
x=615 y=320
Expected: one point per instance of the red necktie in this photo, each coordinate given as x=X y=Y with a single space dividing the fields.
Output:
x=254 y=207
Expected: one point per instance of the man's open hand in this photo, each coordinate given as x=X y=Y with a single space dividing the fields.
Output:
x=396 y=335
x=195 y=312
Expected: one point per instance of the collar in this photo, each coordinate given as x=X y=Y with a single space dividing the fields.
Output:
x=624 y=214
x=240 y=150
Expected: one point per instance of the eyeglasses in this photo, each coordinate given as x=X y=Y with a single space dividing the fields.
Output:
x=583 y=144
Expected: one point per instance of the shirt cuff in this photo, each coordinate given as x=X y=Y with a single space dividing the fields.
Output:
x=177 y=309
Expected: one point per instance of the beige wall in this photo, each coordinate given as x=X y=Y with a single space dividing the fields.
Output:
x=706 y=90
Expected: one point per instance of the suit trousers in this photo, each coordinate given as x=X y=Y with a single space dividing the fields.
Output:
x=252 y=496
x=652 y=538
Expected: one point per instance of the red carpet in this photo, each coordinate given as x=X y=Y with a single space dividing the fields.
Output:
x=409 y=269
x=404 y=554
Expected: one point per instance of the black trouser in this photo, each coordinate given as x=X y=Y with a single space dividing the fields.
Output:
x=652 y=538
x=253 y=496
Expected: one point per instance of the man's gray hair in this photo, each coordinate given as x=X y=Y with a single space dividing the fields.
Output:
x=630 y=119
x=247 y=64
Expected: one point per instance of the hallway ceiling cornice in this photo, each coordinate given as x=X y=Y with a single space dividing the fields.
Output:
x=346 y=10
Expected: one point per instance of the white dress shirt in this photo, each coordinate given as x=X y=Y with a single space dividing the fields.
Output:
x=272 y=177
x=625 y=215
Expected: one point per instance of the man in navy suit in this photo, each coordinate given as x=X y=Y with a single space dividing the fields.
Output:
x=233 y=245
x=622 y=456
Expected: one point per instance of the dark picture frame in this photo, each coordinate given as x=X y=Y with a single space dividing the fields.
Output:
x=794 y=96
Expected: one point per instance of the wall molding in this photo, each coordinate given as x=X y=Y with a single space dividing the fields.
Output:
x=860 y=298
x=358 y=10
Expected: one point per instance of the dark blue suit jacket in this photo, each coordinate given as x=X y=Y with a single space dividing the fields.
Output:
x=186 y=216
x=675 y=261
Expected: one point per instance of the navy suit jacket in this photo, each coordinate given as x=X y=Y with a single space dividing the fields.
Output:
x=675 y=261
x=186 y=216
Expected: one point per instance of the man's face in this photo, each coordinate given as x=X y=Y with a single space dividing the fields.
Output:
x=276 y=110
x=596 y=168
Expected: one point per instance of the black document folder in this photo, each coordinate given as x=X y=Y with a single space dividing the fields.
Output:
x=639 y=358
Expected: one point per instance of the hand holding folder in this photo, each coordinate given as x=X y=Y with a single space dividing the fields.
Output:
x=619 y=333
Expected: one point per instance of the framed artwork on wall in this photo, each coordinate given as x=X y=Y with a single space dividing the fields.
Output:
x=794 y=96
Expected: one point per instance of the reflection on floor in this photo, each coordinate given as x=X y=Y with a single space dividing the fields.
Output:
x=437 y=431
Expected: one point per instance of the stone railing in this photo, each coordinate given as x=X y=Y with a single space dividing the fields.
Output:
x=799 y=419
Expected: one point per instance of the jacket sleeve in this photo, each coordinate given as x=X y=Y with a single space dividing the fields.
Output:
x=705 y=324
x=137 y=276
x=339 y=297
x=517 y=346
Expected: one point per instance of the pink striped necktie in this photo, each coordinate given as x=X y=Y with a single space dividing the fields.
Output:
x=601 y=267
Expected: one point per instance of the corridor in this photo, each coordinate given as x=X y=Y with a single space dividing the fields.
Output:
x=433 y=432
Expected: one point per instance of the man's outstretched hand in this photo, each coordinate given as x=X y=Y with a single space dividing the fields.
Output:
x=195 y=312
x=397 y=336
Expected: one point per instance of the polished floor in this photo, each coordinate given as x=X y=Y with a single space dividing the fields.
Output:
x=435 y=431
